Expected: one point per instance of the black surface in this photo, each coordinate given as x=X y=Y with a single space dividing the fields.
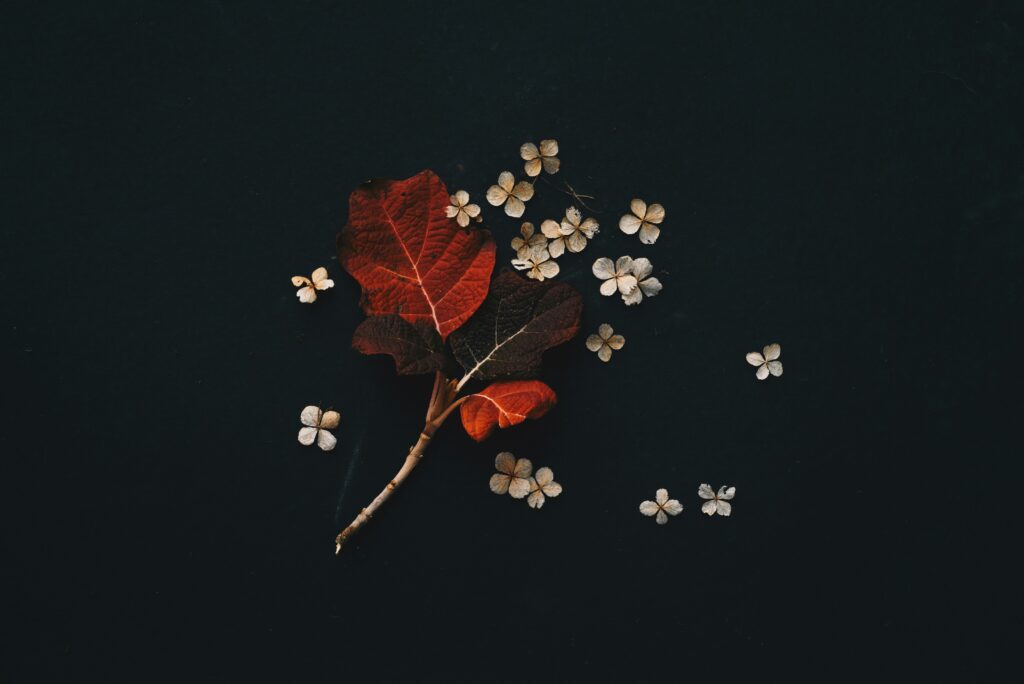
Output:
x=843 y=178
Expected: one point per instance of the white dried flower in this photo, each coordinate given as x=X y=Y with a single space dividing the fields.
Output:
x=542 y=484
x=525 y=244
x=644 y=218
x=510 y=193
x=513 y=476
x=661 y=506
x=535 y=158
x=767 y=361
x=618 y=276
x=572 y=233
x=716 y=503
x=317 y=424
x=538 y=264
x=605 y=341
x=645 y=285
x=460 y=209
x=307 y=287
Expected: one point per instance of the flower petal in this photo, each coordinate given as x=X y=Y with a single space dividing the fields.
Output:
x=325 y=440
x=505 y=462
x=556 y=248
x=519 y=487
x=300 y=280
x=306 y=295
x=709 y=507
x=605 y=331
x=772 y=352
x=544 y=475
x=523 y=190
x=649 y=233
x=726 y=493
x=603 y=268
x=655 y=213
x=629 y=224
x=330 y=420
x=594 y=343
x=461 y=198
x=650 y=287
x=634 y=297
x=576 y=242
x=551 y=489
x=551 y=229
x=307 y=435
x=705 y=492
x=673 y=507
x=506 y=180
x=638 y=207
x=661 y=496
x=472 y=210
x=319 y=274
x=608 y=287
x=755 y=358
x=549 y=148
x=536 y=499
x=623 y=265
x=522 y=264
x=626 y=284
x=325 y=284
x=496 y=195
x=451 y=211
x=616 y=342
x=649 y=508
x=310 y=416
x=514 y=207
x=775 y=368
x=589 y=227
x=551 y=164
x=661 y=518
x=548 y=269
x=762 y=372
x=642 y=268
x=529 y=151
x=462 y=218
x=533 y=167
x=524 y=468
x=499 y=483
x=573 y=216
x=605 y=353
x=724 y=508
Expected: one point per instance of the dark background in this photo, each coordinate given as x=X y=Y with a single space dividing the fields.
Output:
x=843 y=178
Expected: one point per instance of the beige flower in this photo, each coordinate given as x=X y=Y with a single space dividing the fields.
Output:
x=542 y=484
x=317 y=423
x=661 y=506
x=535 y=158
x=766 y=361
x=716 y=503
x=572 y=233
x=510 y=193
x=605 y=341
x=513 y=476
x=525 y=244
x=644 y=218
x=645 y=285
x=460 y=209
x=617 y=276
x=538 y=264
x=307 y=288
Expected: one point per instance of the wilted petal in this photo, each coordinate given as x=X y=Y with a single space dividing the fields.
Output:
x=461 y=197
x=519 y=487
x=325 y=284
x=649 y=508
x=589 y=227
x=650 y=287
x=629 y=224
x=762 y=372
x=603 y=268
x=462 y=219
x=548 y=269
x=673 y=507
x=300 y=280
x=626 y=284
x=549 y=148
x=661 y=496
x=775 y=368
x=523 y=190
x=319 y=274
x=551 y=489
x=306 y=295
x=772 y=352
x=325 y=440
x=608 y=287
x=506 y=180
x=661 y=518
x=499 y=483
x=655 y=214
x=496 y=195
x=726 y=493
x=605 y=331
x=551 y=164
x=623 y=265
x=638 y=207
x=566 y=227
x=705 y=492
x=551 y=229
x=604 y=353
x=594 y=343
x=576 y=242
x=514 y=207
x=573 y=216
x=755 y=358
x=310 y=416
x=532 y=167
x=307 y=435
x=709 y=507
x=330 y=420
x=616 y=342
x=649 y=233
x=528 y=151
x=634 y=297
x=544 y=476
x=526 y=230
x=472 y=210
x=524 y=468
x=536 y=499
x=451 y=211
x=505 y=462
x=556 y=248
x=642 y=268
x=724 y=508
x=521 y=264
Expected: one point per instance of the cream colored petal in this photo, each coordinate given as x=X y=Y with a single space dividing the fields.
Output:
x=519 y=487
x=566 y=228
x=705 y=492
x=772 y=352
x=533 y=167
x=451 y=211
x=523 y=190
x=623 y=265
x=726 y=493
x=544 y=475
x=762 y=372
x=673 y=507
x=461 y=197
x=775 y=368
x=300 y=280
x=576 y=242
x=505 y=462
x=650 y=287
x=626 y=284
x=594 y=343
x=499 y=483
x=310 y=416
x=549 y=148
x=642 y=268
x=462 y=219
x=524 y=468
x=616 y=342
x=603 y=268
x=649 y=508
x=590 y=227
x=661 y=518
x=551 y=164
x=526 y=230
x=325 y=284
x=629 y=224
x=551 y=489
x=557 y=248
x=605 y=331
x=536 y=499
x=549 y=269
x=604 y=353
x=517 y=244
x=319 y=274
x=724 y=508
x=633 y=298
x=608 y=287
x=496 y=195
x=638 y=207
x=661 y=496
x=655 y=214
x=330 y=420
x=306 y=295
x=538 y=241
x=506 y=181
x=514 y=207
x=709 y=507
x=472 y=210
x=307 y=435
x=755 y=358
x=528 y=151
x=325 y=440
x=550 y=229
x=649 y=233
x=521 y=264
x=573 y=216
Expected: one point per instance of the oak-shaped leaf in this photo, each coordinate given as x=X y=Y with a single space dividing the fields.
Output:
x=517 y=322
x=416 y=347
x=410 y=258
x=504 y=404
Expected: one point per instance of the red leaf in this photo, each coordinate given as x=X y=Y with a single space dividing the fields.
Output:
x=410 y=258
x=504 y=404
x=415 y=347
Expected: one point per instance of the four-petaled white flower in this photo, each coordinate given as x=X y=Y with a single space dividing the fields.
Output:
x=572 y=233
x=542 y=484
x=513 y=476
x=644 y=218
x=460 y=209
x=645 y=285
x=767 y=361
x=618 y=276
x=510 y=193
x=307 y=288
x=716 y=503
x=317 y=423
x=525 y=244
x=535 y=158
x=538 y=265
x=660 y=506
x=605 y=341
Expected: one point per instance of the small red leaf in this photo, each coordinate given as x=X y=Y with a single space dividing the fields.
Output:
x=410 y=258
x=503 y=404
x=415 y=347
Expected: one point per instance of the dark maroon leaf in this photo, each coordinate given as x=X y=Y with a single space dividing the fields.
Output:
x=416 y=347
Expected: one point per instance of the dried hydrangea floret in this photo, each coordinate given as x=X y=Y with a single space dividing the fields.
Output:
x=538 y=264
x=645 y=285
x=317 y=425
x=513 y=476
x=525 y=244
x=511 y=194
x=618 y=276
x=767 y=361
x=644 y=219
x=716 y=503
x=661 y=507
x=605 y=341
x=571 y=234
x=542 y=485
x=308 y=287
x=540 y=158
x=460 y=209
